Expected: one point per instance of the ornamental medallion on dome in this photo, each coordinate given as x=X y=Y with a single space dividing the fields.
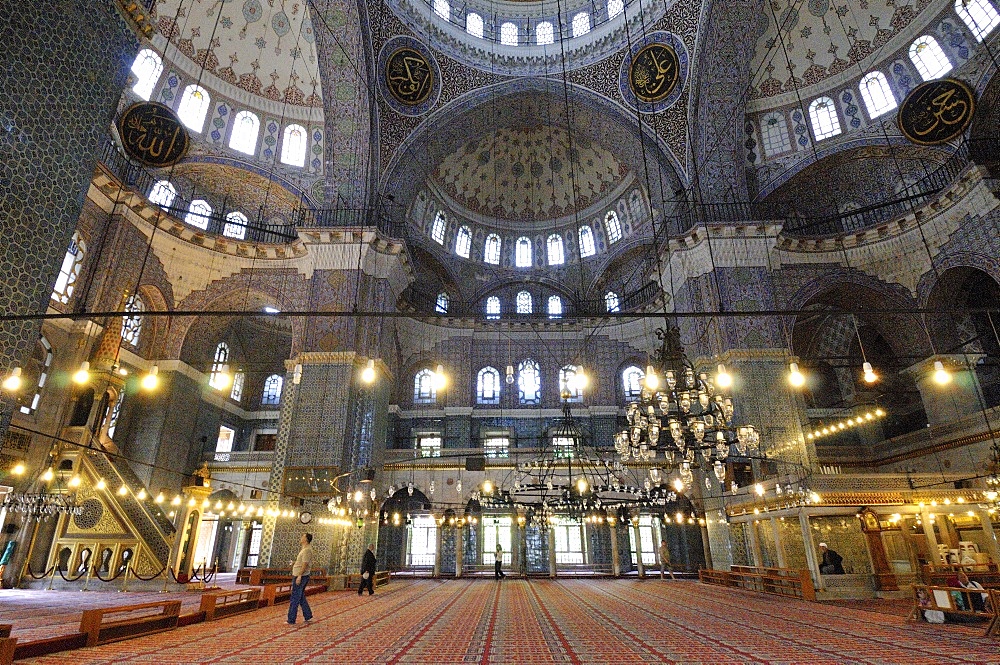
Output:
x=936 y=112
x=410 y=78
x=152 y=134
x=652 y=76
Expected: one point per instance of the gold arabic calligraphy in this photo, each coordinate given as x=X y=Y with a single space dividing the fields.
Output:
x=152 y=134
x=654 y=72
x=409 y=77
x=936 y=111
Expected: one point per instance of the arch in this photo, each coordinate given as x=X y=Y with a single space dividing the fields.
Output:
x=524 y=303
x=587 y=245
x=163 y=194
x=293 y=145
x=193 y=108
x=147 y=68
x=581 y=24
x=271 y=395
x=424 y=391
x=69 y=271
x=441 y=304
x=877 y=94
x=438 y=227
x=823 y=118
x=463 y=242
x=929 y=58
x=509 y=33
x=246 y=129
x=529 y=382
x=612 y=227
x=236 y=225
x=474 y=24
x=774 y=133
x=632 y=377
x=555 y=307
x=491 y=250
x=556 y=253
x=493 y=307
x=522 y=253
x=132 y=325
x=979 y=16
x=544 y=34
x=488 y=386
x=198 y=214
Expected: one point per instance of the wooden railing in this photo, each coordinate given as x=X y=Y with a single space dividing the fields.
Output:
x=265 y=576
x=7 y=645
x=957 y=602
x=99 y=630
x=219 y=604
x=780 y=581
x=273 y=594
x=381 y=577
x=987 y=574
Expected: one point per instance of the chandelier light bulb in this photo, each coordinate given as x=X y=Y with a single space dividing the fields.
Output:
x=941 y=375
x=142 y=494
x=123 y=490
x=510 y=375
x=82 y=375
x=678 y=485
x=358 y=496
x=13 y=382
x=151 y=381
x=795 y=377
x=48 y=475
x=101 y=484
x=723 y=379
x=18 y=469
x=368 y=373
x=582 y=485
x=870 y=375
x=160 y=498
x=488 y=487
x=581 y=380
x=223 y=380
x=74 y=481
x=652 y=381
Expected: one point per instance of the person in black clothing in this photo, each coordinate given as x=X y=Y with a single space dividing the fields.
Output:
x=498 y=563
x=368 y=571
x=832 y=563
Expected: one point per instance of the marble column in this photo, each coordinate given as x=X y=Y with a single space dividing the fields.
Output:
x=932 y=541
x=616 y=563
x=810 y=546
x=552 y=552
x=638 y=552
x=459 y=549
x=437 y=551
x=778 y=547
x=989 y=535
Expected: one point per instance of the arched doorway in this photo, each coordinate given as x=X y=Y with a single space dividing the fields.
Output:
x=407 y=538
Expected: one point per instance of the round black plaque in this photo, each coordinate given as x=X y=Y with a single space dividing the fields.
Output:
x=153 y=134
x=936 y=111
x=654 y=72
x=408 y=76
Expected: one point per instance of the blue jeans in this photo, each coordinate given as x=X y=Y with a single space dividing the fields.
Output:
x=299 y=598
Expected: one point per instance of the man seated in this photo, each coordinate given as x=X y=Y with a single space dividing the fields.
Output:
x=832 y=563
x=979 y=600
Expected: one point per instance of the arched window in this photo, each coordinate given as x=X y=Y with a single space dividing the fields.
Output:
x=441 y=306
x=823 y=116
x=615 y=7
x=218 y=378
x=581 y=24
x=632 y=378
x=522 y=253
x=474 y=25
x=774 y=134
x=587 y=246
x=442 y=9
x=147 y=69
x=239 y=379
x=69 y=272
x=611 y=301
x=556 y=255
x=567 y=381
x=437 y=228
x=877 y=94
x=423 y=387
x=555 y=307
x=524 y=304
x=132 y=325
x=293 y=146
x=246 y=127
x=493 y=307
x=488 y=386
x=613 y=226
x=116 y=412
x=529 y=382
x=929 y=58
x=163 y=194
x=544 y=33
x=508 y=34
x=980 y=16
x=194 y=107
x=198 y=214
x=272 y=390
x=463 y=242
x=236 y=225
x=491 y=252
x=36 y=373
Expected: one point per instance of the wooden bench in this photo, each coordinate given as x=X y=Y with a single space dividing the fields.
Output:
x=984 y=573
x=265 y=576
x=788 y=582
x=381 y=578
x=100 y=630
x=218 y=604
x=8 y=645
x=957 y=601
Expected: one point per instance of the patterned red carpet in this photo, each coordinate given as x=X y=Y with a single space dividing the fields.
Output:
x=579 y=621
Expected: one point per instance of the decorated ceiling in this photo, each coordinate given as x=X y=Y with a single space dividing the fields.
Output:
x=529 y=173
x=809 y=41
x=266 y=47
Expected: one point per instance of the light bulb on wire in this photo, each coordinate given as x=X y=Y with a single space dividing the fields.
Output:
x=510 y=375
x=82 y=375
x=13 y=381
x=440 y=380
x=870 y=375
x=368 y=373
x=652 y=381
x=795 y=377
x=723 y=379
x=150 y=381
x=941 y=375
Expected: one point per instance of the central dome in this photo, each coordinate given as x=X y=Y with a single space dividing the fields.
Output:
x=530 y=173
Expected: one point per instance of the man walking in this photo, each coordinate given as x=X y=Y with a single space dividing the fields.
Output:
x=368 y=571
x=664 y=553
x=300 y=578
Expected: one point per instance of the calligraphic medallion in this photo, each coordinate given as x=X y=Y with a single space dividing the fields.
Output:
x=152 y=134
x=936 y=112
x=410 y=80
x=653 y=73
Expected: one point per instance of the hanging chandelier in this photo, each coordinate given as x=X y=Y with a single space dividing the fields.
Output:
x=41 y=505
x=687 y=423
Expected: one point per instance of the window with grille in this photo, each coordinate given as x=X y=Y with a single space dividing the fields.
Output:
x=632 y=382
x=823 y=116
x=272 y=390
x=441 y=306
x=615 y=7
x=556 y=255
x=491 y=252
x=198 y=214
x=524 y=304
x=163 y=194
x=929 y=58
x=236 y=394
x=194 y=107
x=474 y=25
x=246 y=128
x=132 y=325
x=774 y=134
x=555 y=307
x=980 y=16
x=442 y=9
x=611 y=301
x=147 y=68
x=613 y=226
x=587 y=246
x=522 y=253
x=876 y=94
x=236 y=226
x=529 y=382
x=493 y=307
x=508 y=34
x=437 y=228
x=293 y=146
x=544 y=33
x=488 y=386
x=496 y=446
x=429 y=445
x=423 y=387
x=581 y=24
x=219 y=376
x=463 y=242
x=69 y=272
